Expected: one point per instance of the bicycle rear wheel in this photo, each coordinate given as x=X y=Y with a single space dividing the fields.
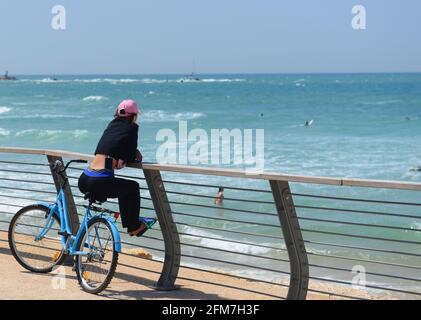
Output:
x=34 y=252
x=96 y=267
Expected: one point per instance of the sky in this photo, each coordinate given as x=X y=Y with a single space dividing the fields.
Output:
x=217 y=36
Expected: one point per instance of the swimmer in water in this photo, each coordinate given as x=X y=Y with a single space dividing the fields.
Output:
x=219 y=198
x=309 y=123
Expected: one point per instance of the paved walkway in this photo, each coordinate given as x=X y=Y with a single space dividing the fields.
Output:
x=133 y=280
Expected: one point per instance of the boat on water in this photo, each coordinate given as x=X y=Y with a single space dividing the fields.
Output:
x=190 y=78
x=7 y=77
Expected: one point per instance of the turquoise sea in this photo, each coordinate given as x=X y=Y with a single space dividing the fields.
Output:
x=364 y=126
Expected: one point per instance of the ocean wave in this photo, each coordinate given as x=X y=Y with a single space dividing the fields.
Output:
x=131 y=80
x=95 y=98
x=221 y=242
x=44 y=116
x=163 y=116
x=222 y=80
x=4 y=132
x=4 y=109
x=380 y=102
x=52 y=134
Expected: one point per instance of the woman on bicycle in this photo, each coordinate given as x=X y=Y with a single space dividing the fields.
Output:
x=118 y=146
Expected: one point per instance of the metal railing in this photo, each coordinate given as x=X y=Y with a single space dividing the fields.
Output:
x=346 y=238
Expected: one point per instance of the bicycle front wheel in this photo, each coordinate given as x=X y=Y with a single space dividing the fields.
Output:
x=96 y=266
x=34 y=239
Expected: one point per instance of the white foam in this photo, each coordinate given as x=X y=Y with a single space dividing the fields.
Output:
x=380 y=102
x=4 y=132
x=49 y=80
x=4 y=109
x=131 y=80
x=95 y=98
x=52 y=133
x=223 y=243
x=163 y=116
x=222 y=80
x=45 y=116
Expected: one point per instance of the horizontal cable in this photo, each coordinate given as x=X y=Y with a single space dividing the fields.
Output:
x=366 y=272
x=227 y=220
x=236 y=276
x=235 y=263
x=231 y=231
x=203 y=270
x=206 y=271
x=390 y=264
x=26 y=172
x=10 y=205
x=359 y=224
x=224 y=208
x=318 y=243
x=363 y=248
x=213 y=197
x=7 y=213
x=222 y=250
x=216 y=260
x=360 y=236
x=335 y=294
x=366 y=286
x=29 y=190
x=234 y=252
x=178 y=223
x=215 y=186
x=24 y=198
x=28 y=181
x=357 y=200
x=231 y=241
x=359 y=211
x=240 y=277
x=25 y=163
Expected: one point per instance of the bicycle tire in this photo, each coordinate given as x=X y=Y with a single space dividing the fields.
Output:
x=12 y=245
x=113 y=265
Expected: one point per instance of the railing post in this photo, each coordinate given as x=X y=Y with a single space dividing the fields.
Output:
x=71 y=206
x=293 y=239
x=162 y=207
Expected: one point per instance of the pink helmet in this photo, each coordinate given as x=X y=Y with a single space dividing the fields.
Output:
x=127 y=108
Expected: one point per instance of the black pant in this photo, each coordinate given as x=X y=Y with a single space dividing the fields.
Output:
x=127 y=192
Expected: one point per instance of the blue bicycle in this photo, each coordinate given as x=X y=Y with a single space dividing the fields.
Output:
x=40 y=238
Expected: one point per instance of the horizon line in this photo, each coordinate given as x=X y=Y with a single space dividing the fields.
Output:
x=216 y=73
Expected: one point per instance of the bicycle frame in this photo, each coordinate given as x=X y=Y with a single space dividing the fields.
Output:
x=69 y=241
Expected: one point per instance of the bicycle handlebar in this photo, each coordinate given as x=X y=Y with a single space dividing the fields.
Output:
x=58 y=164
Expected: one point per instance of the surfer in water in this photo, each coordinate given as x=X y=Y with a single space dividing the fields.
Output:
x=309 y=123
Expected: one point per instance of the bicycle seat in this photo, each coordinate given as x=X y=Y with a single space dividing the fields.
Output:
x=94 y=199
